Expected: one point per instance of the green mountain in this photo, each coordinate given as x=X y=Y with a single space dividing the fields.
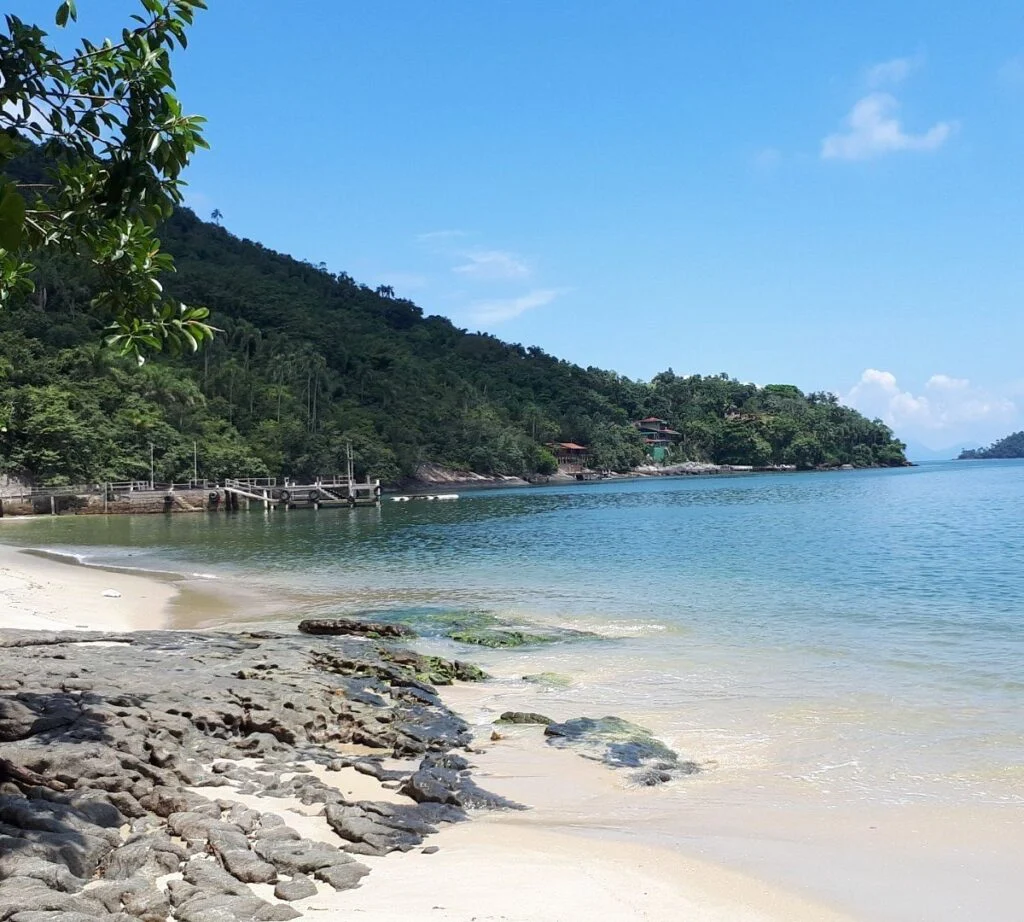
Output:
x=307 y=360
x=1010 y=447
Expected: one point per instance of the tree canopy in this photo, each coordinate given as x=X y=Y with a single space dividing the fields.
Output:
x=113 y=140
x=1012 y=446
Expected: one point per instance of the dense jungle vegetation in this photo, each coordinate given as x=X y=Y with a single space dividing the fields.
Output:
x=1012 y=446
x=307 y=360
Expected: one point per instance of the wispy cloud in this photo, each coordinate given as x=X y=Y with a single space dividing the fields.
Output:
x=767 y=158
x=492 y=265
x=891 y=73
x=440 y=236
x=873 y=129
x=1011 y=72
x=498 y=310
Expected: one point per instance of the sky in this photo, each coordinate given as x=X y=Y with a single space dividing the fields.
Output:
x=829 y=195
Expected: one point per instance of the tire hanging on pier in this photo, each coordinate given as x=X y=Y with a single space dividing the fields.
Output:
x=214 y=497
x=285 y=495
x=314 y=495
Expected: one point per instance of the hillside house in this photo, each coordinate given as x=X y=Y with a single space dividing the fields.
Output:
x=657 y=435
x=571 y=458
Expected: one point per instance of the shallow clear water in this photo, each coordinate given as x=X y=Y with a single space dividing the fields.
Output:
x=857 y=635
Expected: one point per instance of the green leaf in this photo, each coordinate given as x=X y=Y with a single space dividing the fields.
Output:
x=12 y=219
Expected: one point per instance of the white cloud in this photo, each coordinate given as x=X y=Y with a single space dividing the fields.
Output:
x=492 y=265
x=873 y=129
x=891 y=73
x=947 y=409
x=497 y=310
x=946 y=383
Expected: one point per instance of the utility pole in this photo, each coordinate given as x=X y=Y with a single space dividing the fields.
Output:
x=350 y=472
x=151 y=479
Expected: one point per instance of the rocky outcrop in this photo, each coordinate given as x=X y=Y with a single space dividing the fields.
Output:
x=352 y=627
x=104 y=739
x=621 y=744
x=524 y=717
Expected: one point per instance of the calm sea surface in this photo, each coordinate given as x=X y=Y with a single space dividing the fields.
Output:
x=857 y=635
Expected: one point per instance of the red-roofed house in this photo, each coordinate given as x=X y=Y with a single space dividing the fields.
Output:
x=570 y=456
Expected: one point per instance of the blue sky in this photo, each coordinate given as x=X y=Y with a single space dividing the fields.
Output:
x=824 y=194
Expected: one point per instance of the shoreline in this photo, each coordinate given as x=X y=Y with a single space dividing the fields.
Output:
x=573 y=874
x=40 y=590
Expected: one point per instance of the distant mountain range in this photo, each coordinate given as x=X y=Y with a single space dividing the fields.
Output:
x=917 y=452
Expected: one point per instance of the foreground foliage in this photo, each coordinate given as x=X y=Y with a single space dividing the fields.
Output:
x=111 y=141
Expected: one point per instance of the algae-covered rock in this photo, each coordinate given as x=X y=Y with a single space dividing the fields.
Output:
x=621 y=744
x=497 y=638
x=551 y=679
x=472 y=626
x=440 y=671
x=523 y=717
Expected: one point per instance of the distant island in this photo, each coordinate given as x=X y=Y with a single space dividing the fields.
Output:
x=1010 y=447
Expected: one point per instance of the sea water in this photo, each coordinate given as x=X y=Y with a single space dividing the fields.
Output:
x=844 y=642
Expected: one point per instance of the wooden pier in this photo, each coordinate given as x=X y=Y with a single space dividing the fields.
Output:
x=143 y=496
x=324 y=491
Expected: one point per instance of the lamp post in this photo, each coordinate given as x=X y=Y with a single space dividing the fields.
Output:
x=151 y=479
x=195 y=463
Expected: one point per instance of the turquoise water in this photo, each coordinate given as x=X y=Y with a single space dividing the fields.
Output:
x=855 y=633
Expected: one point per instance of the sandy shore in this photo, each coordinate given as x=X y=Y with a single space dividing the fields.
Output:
x=519 y=867
x=42 y=593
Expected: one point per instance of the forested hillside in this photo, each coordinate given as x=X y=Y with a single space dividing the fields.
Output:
x=307 y=360
x=1010 y=447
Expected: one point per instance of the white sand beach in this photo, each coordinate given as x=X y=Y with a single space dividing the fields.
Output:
x=41 y=593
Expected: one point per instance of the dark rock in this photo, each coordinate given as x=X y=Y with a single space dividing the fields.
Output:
x=137 y=897
x=523 y=717
x=28 y=894
x=446 y=780
x=300 y=856
x=342 y=876
x=355 y=824
x=210 y=877
x=55 y=876
x=337 y=626
x=298 y=888
x=221 y=907
x=248 y=867
x=621 y=744
x=430 y=850
x=30 y=915
x=224 y=837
